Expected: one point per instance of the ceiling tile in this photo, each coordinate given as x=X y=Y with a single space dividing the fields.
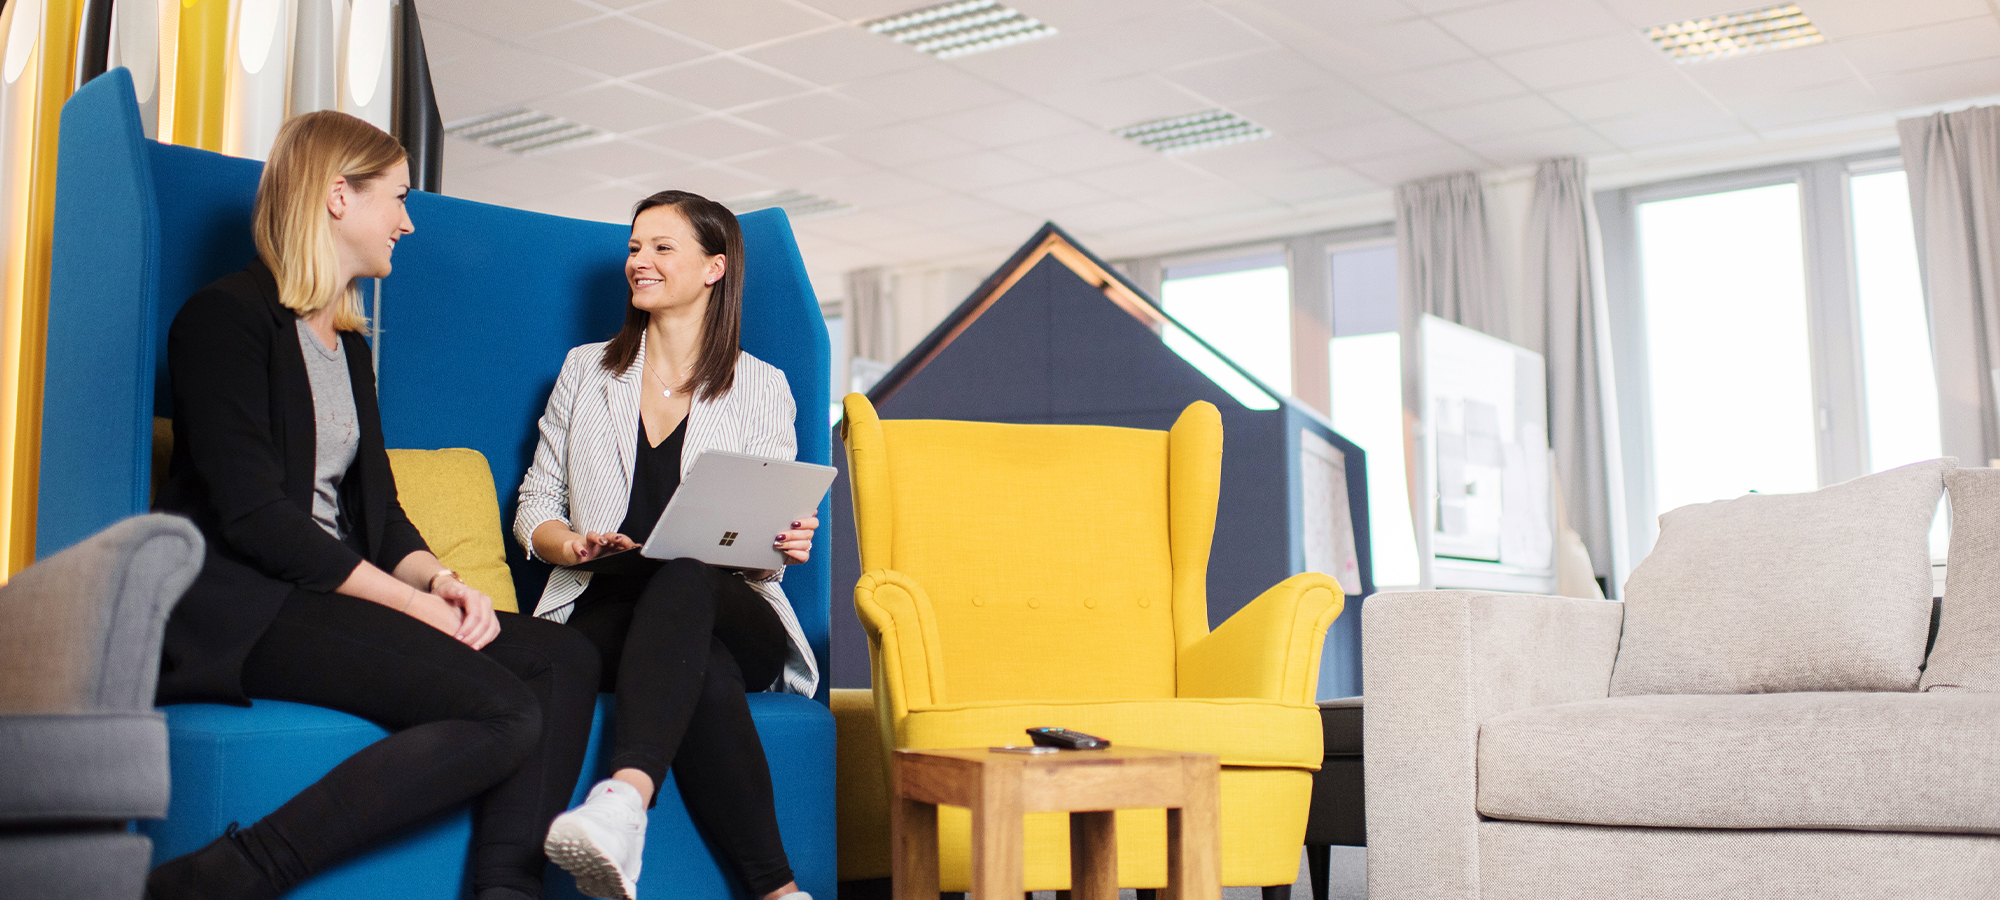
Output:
x=1663 y=92
x=1050 y=65
x=1452 y=84
x=529 y=176
x=1371 y=139
x=519 y=76
x=860 y=226
x=1944 y=84
x=923 y=245
x=621 y=158
x=1397 y=168
x=1668 y=126
x=507 y=19
x=735 y=24
x=1854 y=18
x=1648 y=13
x=975 y=170
x=837 y=55
x=1104 y=215
x=462 y=155
x=1040 y=196
x=954 y=209
x=1828 y=101
x=1252 y=76
x=1006 y=124
x=445 y=41
x=616 y=46
x=856 y=10
x=1519 y=24
x=817 y=115
x=1150 y=176
x=1314 y=110
x=717 y=183
x=1433 y=7
x=617 y=108
x=1926 y=47
x=722 y=82
x=1124 y=101
x=926 y=90
x=1308 y=185
x=710 y=139
x=462 y=99
x=1586 y=61
x=1334 y=18
x=797 y=164
x=1272 y=154
x=1511 y=116
x=596 y=204
x=1189 y=35
x=1516 y=149
x=1391 y=47
x=1069 y=15
x=1079 y=152
x=1190 y=204
x=1771 y=71
x=1005 y=232
x=898 y=146
x=876 y=188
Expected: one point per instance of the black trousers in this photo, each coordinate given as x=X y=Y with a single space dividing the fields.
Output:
x=680 y=647
x=506 y=724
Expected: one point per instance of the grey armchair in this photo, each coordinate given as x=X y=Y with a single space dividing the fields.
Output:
x=82 y=751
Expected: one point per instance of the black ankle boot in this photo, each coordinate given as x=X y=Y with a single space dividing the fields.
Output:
x=222 y=870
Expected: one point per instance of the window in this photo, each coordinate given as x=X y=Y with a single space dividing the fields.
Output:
x=836 y=336
x=1241 y=307
x=1769 y=333
x=1364 y=361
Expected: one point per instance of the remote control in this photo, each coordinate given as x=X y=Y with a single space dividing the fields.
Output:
x=1066 y=739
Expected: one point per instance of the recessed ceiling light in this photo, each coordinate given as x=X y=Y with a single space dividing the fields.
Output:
x=1735 y=34
x=956 y=29
x=796 y=204
x=1200 y=131
x=525 y=131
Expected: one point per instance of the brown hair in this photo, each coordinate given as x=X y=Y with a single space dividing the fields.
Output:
x=714 y=370
x=290 y=224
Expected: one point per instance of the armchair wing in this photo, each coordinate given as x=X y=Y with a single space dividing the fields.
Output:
x=1268 y=650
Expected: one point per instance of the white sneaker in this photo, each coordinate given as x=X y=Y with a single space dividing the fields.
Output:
x=601 y=842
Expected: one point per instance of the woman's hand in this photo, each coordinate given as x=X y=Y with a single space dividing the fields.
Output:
x=797 y=543
x=591 y=545
x=434 y=611
x=478 y=626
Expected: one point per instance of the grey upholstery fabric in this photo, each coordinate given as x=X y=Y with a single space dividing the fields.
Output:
x=116 y=765
x=83 y=626
x=74 y=866
x=1966 y=656
x=1824 y=591
x=1862 y=761
x=1522 y=861
x=1436 y=664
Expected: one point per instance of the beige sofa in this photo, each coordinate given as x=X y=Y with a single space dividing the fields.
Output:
x=1759 y=720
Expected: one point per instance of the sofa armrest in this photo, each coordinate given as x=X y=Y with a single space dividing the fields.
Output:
x=1269 y=649
x=1436 y=664
x=904 y=649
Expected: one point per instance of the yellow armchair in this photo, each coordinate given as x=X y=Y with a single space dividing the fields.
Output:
x=1023 y=575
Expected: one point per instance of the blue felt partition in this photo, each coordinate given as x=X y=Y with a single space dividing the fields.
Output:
x=483 y=304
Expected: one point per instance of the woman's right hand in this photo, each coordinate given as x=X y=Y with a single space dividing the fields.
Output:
x=436 y=612
x=590 y=545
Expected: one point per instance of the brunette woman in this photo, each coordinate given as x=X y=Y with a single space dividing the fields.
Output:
x=317 y=589
x=682 y=643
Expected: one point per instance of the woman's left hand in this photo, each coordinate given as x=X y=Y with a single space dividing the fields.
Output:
x=480 y=626
x=797 y=543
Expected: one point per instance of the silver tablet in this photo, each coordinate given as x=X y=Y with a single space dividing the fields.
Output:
x=730 y=507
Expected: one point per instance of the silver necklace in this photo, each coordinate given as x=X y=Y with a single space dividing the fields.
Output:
x=665 y=389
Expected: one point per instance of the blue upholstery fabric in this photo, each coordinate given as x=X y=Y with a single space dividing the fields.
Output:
x=232 y=764
x=483 y=304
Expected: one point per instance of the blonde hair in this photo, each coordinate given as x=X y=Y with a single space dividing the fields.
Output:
x=293 y=230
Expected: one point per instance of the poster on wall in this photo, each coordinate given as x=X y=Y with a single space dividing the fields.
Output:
x=1327 y=520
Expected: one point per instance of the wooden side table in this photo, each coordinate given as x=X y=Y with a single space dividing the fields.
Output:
x=999 y=788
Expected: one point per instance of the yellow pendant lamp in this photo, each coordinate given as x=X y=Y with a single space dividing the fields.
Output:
x=201 y=88
x=37 y=63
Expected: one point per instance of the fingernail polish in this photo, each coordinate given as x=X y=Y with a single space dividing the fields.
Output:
x=795 y=524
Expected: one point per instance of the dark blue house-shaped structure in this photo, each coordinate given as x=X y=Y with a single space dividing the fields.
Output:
x=1057 y=336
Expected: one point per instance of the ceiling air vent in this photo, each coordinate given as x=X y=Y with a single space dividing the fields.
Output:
x=525 y=131
x=1735 y=34
x=1200 y=131
x=956 y=29
x=796 y=204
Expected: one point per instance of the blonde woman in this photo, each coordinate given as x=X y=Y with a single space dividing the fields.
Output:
x=317 y=589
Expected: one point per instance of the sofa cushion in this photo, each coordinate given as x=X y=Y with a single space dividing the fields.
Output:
x=83 y=767
x=1243 y=732
x=1868 y=761
x=449 y=496
x=1825 y=591
x=1966 y=656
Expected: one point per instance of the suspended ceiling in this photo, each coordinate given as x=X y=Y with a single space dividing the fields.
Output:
x=959 y=161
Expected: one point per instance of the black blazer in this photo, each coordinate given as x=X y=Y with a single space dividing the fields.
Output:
x=242 y=470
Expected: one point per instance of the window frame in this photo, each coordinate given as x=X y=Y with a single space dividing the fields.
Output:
x=1833 y=319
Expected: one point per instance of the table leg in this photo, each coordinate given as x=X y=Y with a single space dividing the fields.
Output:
x=1093 y=855
x=1194 y=836
x=997 y=835
x=914 y=846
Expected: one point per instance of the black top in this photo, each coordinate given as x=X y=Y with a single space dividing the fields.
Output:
x=242 y=470
x=656 y=473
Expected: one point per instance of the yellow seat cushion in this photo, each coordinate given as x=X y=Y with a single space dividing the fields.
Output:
x=448 y=494
x=1250 y=733
x=860 y=792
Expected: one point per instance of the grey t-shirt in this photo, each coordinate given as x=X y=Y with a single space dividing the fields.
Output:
x=334 y=424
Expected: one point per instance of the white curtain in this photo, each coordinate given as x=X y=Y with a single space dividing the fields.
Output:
x=1953 y=164
x=1446 y=255
x=1561 y=285
x=871 y=316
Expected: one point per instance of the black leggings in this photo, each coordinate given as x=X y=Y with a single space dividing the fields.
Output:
x=680 y=649
x=507 y=724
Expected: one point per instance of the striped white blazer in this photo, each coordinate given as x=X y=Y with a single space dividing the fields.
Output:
x=582 y=471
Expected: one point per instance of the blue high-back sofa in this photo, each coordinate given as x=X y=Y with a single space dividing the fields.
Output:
x=472 y=328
